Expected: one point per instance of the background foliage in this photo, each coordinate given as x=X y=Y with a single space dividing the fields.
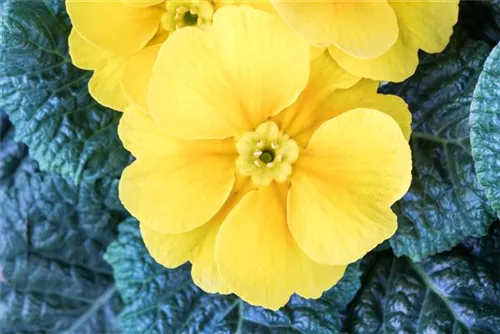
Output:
x=68 y=266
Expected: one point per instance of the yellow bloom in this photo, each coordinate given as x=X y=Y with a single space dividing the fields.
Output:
x=266 y=171
x=373 y=39
x=110 y=37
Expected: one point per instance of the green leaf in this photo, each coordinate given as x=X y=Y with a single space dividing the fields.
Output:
x=53 y=236
x=485 y=128
x=160 y=300
x=13 y=155
x=47 y=99
x=454 y=292
x=445 y=203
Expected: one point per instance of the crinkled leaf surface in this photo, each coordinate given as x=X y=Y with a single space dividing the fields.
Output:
x=485 y=128
x=445 y=203
x=160 y=300
x=53 y=236
x=453 y=292
x=47 y=98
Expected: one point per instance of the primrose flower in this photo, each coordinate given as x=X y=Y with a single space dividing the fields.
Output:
x=268 y=172
x=376 y=39
x=113 y=37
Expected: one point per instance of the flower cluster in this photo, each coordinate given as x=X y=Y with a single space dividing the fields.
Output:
x=265 y=160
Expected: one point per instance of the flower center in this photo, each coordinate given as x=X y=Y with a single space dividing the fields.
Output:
x=187 y=13
x=266 y=154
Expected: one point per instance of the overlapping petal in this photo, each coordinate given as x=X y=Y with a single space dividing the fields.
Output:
x=258 y=257
x=104 y=86
x=332 y=91
x=425 y=25
x=217 y=84
x=114 y=26
x=136 y=75
x=363 y=29
x=355 y=167
x=196 y=246
x=170 y=176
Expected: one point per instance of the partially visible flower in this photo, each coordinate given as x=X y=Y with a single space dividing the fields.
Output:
x=376 y=39
x=266 y=171
x=113 y=37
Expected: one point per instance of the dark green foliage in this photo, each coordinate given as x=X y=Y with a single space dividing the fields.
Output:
x=485 y=128
x=53 y=235
x=445 y=203
x=453 y=292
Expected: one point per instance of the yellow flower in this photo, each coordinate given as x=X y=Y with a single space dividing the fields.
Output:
x=110 y=37
x=266 y=171
x=373 y=39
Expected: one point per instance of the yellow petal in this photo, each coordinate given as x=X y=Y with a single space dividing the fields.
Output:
x=104 y=86
x=362 y=29
x=429 y=24
x=423 y=24
x=231 y=79
x=362 y=95
x=141 y=3
x=112 y=25
x=144 y=138
x=391 y=105
x=136 y=75
x=197 y=246
x=397 y=64
x=325 y=78
x=83 y=54
x=171 y=193
x=315 y=51
x=172 y=250
x=355 y=167
x=259 y=259
x=264 y=5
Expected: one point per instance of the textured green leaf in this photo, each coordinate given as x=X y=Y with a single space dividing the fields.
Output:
x=53 y=236
x=454 y=292
x=485 y=128
x=47 y=99
x=159 y=300
x=445 y=203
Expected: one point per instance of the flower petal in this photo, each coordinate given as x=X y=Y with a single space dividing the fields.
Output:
x=144 y=138
x=162 y=192
x=163 y=185
x=137 y=74
x=264 y=5
x=355 y=167
x=426 y=24
x=104 y=86
x=429 y=24
x=258 y=257
x=397 y=64
x=141 y=3
x=325 y=78
x=231 y=79
x=197 y=246
x=114 y=26
x=363 y=29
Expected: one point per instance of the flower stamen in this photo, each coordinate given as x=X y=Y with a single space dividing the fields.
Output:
x=187 y=13
x=266 y=154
